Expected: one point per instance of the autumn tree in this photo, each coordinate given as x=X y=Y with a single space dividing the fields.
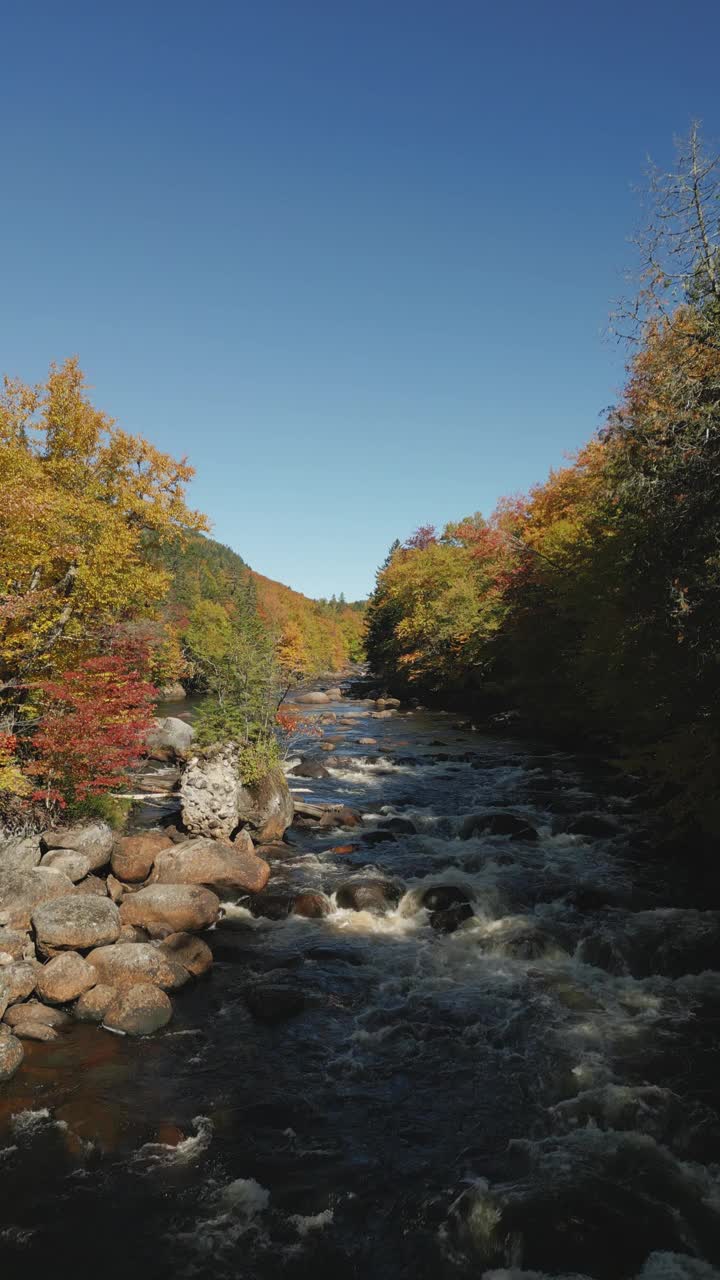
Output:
x=79 y=497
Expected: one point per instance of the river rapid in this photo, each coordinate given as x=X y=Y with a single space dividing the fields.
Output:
x=534 y=1094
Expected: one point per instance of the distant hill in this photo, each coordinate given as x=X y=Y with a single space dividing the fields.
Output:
x=212 y=585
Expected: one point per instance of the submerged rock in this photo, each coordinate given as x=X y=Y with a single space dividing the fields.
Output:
x=312 y=905
x=34 y=1011
x=378 y=896
x=274 y=1001
x=30 y=1030
x=497 y=824
x=450 y=919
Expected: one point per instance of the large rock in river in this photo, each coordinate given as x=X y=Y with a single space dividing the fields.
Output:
x=18 y=980
x=76 y=923
x=11 y=1055
x=65 y=978
x=215 y=801
x=133 y=856
x=128 y=963
x=211 y=862
x=138 y=1011
x=95 y=840
x=169 y=739
x=175 y=907
x=22 y=891
x=192 y=953
x=314 y=698
x=267 y=807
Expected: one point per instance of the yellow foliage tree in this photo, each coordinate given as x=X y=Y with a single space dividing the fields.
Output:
x=78 y=500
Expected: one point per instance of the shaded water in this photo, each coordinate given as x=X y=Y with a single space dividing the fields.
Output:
x=534 y=1093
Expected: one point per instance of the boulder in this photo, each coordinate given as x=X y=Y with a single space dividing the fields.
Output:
x=94 y=1004
x=75 y=865
x=11 y=1055
x=387 y=704
x=192 y=953
x=334 y=694
x=138 y=1010
x=312 y=905
x=29 y=1030
x=215 y=801
x=267 y=807
x=210 y=793
x=18 y=980
x=402 y=826
x=65 y=978
x=367 y=742
x=211 y=862
x=34 y=1011
x=15 y=945
x=173 y=692
x=497 y=824
x=310 y=769
x=133 y=856
x=95 y=840
x=169 y=739
x=381 y=836
x=76 y=923
x=4 y=997
x=450 y=918
x=19 y=854
x=273 y=904
x=128 y=963
x=441 y=896
x=314 y=698
x=378 y=896
x=93 y=885
x=177 y=907
x=115 y=889
x=21 y=892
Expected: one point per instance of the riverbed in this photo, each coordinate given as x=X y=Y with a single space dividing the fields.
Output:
x=533 y=1093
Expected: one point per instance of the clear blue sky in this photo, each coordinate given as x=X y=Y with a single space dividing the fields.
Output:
x=354 y=257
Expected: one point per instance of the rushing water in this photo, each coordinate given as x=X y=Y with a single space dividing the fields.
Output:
x=531 y=1095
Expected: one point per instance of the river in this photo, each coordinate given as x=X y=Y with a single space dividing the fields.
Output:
x=532 y=1094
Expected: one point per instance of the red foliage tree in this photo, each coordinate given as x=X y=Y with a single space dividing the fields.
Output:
x=94 y=727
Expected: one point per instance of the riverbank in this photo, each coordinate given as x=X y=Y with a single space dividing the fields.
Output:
x=507 y=1056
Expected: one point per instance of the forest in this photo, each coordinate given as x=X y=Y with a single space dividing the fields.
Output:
x=111 y=590
x=590 y=606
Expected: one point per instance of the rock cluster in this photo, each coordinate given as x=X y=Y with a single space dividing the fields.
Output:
x=100 y=928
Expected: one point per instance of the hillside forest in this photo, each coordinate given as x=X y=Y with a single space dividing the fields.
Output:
x=110 y=590
x=590 y=606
